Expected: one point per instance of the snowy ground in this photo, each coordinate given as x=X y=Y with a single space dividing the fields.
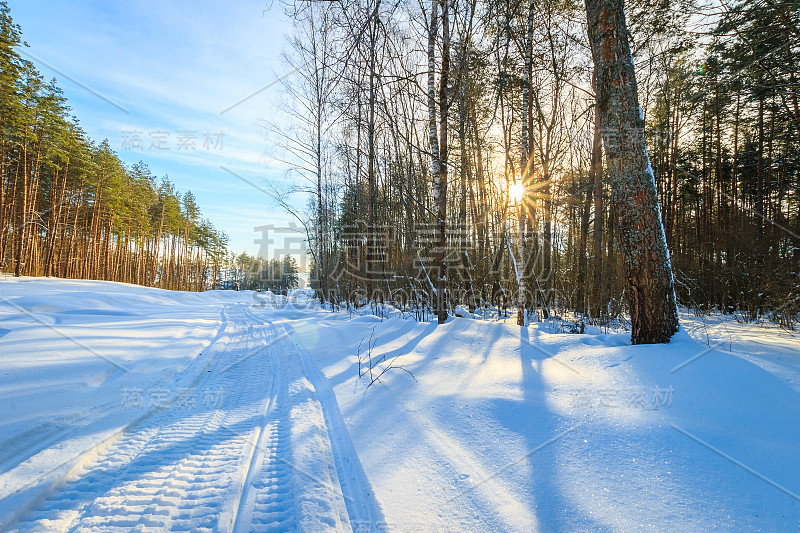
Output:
x=126 y=408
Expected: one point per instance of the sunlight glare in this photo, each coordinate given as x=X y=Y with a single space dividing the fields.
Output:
x=516 y=191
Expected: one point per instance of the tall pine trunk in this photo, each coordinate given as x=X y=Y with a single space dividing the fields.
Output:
x=650 y=287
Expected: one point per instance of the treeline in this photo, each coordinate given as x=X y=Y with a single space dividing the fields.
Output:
x=452 y=150
x=245 y=272
x=725 y=135
x=70 y=208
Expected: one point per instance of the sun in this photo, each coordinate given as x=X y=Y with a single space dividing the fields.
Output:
x=516 y=191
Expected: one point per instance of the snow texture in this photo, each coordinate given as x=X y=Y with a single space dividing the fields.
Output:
x=127 y=408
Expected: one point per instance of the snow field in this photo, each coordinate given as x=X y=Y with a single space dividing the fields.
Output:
x=257 y=457
x=137 y=409
x=517 y=430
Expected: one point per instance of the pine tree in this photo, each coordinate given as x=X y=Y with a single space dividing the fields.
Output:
x=651 y=293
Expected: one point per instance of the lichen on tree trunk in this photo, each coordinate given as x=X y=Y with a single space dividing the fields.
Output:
x=650 y=285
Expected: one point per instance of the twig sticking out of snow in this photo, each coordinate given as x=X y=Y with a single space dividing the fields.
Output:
x=372 y=366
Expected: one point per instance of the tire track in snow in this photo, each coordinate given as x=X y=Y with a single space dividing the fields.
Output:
x=265 y=460
x=301 y=459
x=267 y=502
x=326 y=435
x=265 y=436
x=179 y=468
x=21 y=499
x=362 y=506
x=19 y=448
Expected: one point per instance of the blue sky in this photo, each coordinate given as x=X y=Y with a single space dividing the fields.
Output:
x=158 y=79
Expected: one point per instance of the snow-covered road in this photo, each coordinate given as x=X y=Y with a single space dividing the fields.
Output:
x=238 y=441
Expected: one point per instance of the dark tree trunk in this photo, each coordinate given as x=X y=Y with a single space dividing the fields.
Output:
x=372 y=269
x=596 y=172
x=650 y=290
x=433 y=137
x=441 y=285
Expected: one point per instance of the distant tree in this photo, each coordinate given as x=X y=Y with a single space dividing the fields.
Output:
x=289 y=277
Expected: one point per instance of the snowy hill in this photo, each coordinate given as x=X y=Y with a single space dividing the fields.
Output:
x=126 y=407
